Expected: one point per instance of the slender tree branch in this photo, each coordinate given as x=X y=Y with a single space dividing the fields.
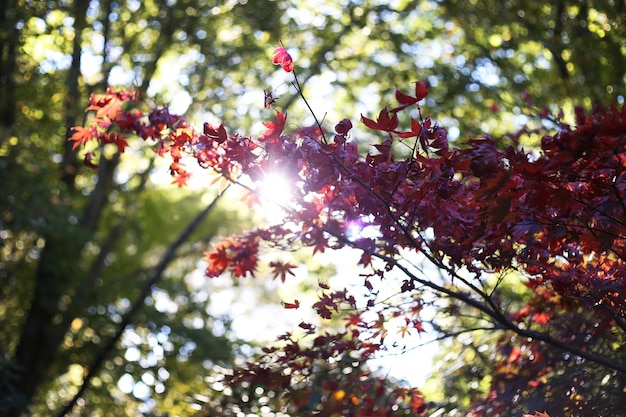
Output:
x=397 y=220
x=317 y=122
x=508 y=324
x=490 y=311
x=446 y=336
x=321 y=56
x=154 y=278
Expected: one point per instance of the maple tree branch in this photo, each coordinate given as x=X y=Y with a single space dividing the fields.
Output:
x=301 y=93
x=414 y=243
x=508 y=324
x=568 y=347
x=465 y=298
x=446 y=336
x=154 y=278
x=320 y=56
x=495 y=314
x=601 y=212
x=546 y=221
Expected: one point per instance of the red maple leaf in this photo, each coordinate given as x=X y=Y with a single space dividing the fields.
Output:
x=416 y=129
x=280 y=269
x=81 y=136
x=541 y=318
x=417 y=403
x=515 y=355
x=484 y=156
x=343 y=127
x=353 y=319
x=128 y=119
x=387 y=121
x=181 y=179
x=120 y=141
x=218 y=260
x=216 y=133
x=282 y=58
x=292 y=306
x=405 y=100
x=107 y=106
x=274 y=129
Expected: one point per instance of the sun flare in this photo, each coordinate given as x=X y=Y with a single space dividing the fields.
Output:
x=276 y=189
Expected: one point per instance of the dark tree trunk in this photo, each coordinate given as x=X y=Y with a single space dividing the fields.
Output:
x=72 y=99
x=44 y=328
x=9 y=39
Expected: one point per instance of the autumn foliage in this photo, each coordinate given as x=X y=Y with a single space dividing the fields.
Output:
x=482 y=212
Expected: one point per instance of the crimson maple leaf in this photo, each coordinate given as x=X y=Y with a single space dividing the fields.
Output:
x=107 y=106
x=387 y=121
x=282 y=58
x=405 y=100
x=274 y=129
x=281 y=270
x=128 y=119
x=353 y=319
x=216 y=133
x=484 y=156
x=416 y=129
x=218 y=260
x=119 y=140
x=417 y=403
x=343 y=127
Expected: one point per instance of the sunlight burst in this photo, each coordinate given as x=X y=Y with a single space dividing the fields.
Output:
x=276 y=188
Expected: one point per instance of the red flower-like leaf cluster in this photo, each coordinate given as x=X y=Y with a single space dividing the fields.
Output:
x=109 y=113
x=282 y=58
x=238 y=254
x=158 y=126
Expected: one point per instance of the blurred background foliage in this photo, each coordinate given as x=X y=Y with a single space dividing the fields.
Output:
x=78 y=246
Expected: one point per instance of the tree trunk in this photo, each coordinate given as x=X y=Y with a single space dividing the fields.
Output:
x=8 y=45
x=43 y=330
x=72 y=99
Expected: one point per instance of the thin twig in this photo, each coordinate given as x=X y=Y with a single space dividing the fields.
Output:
x=301 y=93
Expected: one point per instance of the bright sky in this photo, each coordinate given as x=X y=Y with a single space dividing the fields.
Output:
x=258 y=321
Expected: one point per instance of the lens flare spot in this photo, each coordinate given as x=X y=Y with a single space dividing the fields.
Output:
x=276 y=188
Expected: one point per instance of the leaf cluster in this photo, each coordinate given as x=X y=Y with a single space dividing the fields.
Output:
x=468 y=211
